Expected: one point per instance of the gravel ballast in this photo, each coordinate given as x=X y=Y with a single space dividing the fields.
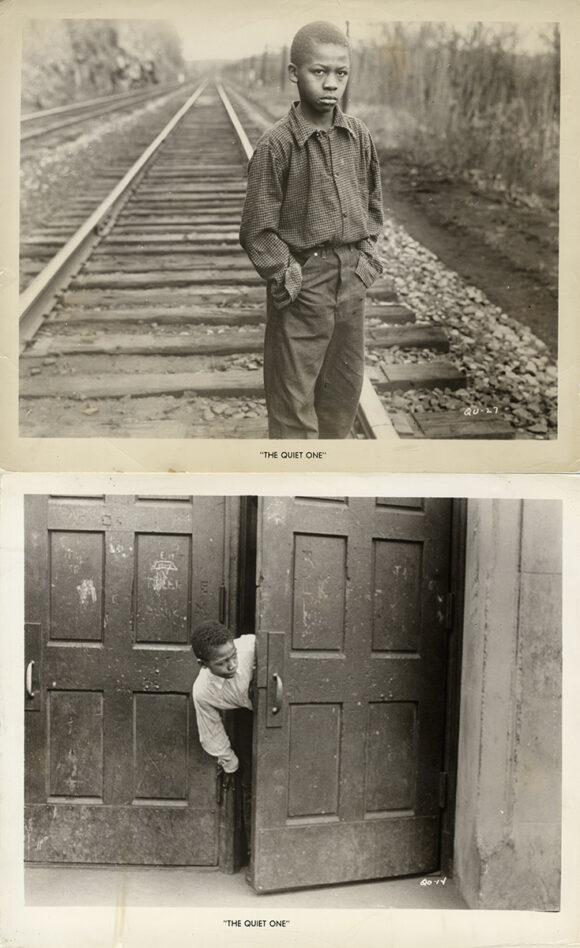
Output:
x=507 y=367
x=51 y=175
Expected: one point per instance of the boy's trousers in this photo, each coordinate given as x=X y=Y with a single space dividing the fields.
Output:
x=314 y=350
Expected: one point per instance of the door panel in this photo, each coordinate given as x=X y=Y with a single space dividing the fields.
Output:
x=162 y=612
x=319 y=592
x=352 y=651
x=114 y=769
x=313 y=766
x=75 y=738
x=396 y=583
x=76 y=588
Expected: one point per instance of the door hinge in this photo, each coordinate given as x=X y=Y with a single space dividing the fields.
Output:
x=449 y=609
x=443 y=789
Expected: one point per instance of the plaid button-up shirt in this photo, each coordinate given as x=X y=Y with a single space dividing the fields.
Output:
x=308 y=187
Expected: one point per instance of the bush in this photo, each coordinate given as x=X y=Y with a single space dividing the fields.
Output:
x=467 y=100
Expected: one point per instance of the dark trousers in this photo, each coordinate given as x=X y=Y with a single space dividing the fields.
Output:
x=314 y=350
x=234 y=794
x=243 y=747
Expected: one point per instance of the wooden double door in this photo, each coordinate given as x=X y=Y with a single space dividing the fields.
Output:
x=349 y=726
x=114 y=769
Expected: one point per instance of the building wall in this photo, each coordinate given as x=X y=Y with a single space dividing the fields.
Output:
x=507 y=839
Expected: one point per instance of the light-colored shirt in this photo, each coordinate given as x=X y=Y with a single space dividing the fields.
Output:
x=212 y=694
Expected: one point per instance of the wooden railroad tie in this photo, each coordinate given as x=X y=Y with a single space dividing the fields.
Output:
x=229 y=382
x=167 y=298
x=227 y=342
x=451 y=424
x=199 y=313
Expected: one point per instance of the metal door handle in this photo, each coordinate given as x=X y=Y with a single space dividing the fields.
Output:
x=279 y=693
x=29 y=688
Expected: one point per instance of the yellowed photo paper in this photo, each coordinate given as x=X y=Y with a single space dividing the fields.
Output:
x=297 y=710
x=232 y=231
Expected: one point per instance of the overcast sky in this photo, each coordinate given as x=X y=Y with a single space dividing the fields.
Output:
x=232 y=31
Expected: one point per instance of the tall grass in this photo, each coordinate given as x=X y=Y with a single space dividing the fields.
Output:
x=466 y=100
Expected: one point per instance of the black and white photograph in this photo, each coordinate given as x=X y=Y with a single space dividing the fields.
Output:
x=289 y=526
x=375 y=696
x=330 y=714
x=307 y=223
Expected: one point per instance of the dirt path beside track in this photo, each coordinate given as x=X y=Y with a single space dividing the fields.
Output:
x=509 y=250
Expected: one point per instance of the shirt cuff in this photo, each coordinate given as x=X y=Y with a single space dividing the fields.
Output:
x=368 y=245
x=368 y=268
x=285 y=291
x=229 y=762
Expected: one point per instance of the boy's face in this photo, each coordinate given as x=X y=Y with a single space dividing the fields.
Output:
x=321 y=77
x=223 y=661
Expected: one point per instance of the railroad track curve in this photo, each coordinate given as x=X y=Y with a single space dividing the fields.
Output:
x=148 y=322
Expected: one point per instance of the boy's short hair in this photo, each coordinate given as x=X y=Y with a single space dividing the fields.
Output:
x=312 y=33
x=207 y=636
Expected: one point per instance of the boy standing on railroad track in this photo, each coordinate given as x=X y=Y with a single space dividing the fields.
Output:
x=310 y=224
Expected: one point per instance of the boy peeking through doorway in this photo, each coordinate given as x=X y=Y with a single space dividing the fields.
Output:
x=225 y=683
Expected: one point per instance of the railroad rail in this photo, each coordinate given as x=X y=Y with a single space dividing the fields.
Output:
x=149 y=320
x=34 y=125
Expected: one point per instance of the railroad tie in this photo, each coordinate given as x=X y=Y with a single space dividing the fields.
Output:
x=163 y=303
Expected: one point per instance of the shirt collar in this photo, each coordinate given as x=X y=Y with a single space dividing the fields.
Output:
x=303 y=130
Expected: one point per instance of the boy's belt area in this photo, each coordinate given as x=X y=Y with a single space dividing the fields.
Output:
x=322 y=250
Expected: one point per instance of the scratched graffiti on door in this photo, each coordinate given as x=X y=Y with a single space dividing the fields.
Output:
x=87 y=592
x=163 y=574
